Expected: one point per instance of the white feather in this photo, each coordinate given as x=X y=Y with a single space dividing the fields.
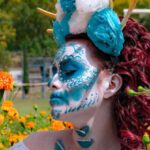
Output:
x=60 y=13
x=91 y=5
x=78 y=22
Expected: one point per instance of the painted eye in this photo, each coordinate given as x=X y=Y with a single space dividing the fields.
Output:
x=70 y=72
x=54 y=70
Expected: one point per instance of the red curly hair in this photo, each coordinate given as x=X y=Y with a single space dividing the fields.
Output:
x=132 y=113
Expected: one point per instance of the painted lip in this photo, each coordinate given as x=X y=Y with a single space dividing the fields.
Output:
x=56 y=99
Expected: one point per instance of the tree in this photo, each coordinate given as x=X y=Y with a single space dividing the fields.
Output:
x=31 y=28
x=21 y=23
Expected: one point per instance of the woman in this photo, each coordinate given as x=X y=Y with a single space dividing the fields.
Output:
x=90 y=89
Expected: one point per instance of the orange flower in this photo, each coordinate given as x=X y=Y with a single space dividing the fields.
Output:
x=13 y=113
x=43 y=129
x=57 y=125
x=21 y=136
x=27 y=116
x=13 y=139
x=22 y=120
x=68 y=125
x=148 y=146
x=1 y=146
x=6 y=105
x=6 y=81
x=1 y=119
x=30 y=125
x=42 y=113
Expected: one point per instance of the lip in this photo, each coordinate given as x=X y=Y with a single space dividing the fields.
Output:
x=56 y=95
x=56 y=99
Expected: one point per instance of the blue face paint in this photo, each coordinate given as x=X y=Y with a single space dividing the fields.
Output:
x=70 y=69
x=77 y=76
x=56 y=113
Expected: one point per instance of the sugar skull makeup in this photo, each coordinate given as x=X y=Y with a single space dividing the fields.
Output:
x=72 y=80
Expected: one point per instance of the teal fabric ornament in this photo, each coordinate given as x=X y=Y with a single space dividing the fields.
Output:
x=68 y=5
x=58 y=33
x=83 y=131
x=61 y=29
x=104 y=29
x=59 y=145
x=86 y=143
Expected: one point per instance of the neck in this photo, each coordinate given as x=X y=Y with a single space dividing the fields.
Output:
x=102 y=132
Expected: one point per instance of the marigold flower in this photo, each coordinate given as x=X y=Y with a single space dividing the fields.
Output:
x=6 y=81
x=43 y=129
x=6 y=105
x=30 y=125
x=68 y=125
x=1 y=119
x=1 y=146
x=13 y=113
x=22 y=120
x=27 y=116
x=13 y=139
x=42 y=113
x=21 y=136
x=57 y=125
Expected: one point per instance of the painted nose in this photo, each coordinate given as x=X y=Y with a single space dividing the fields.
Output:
x=55 y=83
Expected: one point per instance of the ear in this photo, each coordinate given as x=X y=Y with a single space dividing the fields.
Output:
x=114 y=84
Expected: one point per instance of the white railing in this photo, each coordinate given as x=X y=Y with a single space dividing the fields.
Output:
x=137 y=11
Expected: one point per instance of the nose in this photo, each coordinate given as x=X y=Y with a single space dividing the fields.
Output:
x=55 y=83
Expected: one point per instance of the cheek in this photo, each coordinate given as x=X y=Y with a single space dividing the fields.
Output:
x=78 y=87
x=76 y=94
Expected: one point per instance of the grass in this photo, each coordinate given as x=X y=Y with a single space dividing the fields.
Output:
x=26 y=106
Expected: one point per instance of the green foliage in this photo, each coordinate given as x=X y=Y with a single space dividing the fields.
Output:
x=31 y=28
x=145 y=21
x=23 y=27
x=5 y=59
x=7 y=31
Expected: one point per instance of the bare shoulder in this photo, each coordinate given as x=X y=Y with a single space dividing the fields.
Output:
x=46 y=140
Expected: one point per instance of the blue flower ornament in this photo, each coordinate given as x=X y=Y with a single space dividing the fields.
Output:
x=104 y=29
x=67 y=5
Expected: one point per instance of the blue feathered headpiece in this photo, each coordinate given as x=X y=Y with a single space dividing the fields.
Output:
x=104 y=30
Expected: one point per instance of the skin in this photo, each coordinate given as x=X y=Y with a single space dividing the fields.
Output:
x=98 y=116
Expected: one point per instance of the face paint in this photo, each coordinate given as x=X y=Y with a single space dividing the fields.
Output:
x=73 y=76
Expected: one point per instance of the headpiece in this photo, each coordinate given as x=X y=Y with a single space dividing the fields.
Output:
x=96 y=18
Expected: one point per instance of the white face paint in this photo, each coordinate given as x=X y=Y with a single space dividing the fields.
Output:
x=73 y=81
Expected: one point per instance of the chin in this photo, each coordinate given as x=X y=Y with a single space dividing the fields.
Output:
x=77 y=118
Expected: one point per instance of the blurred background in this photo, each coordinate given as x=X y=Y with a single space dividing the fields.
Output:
x=27 y=51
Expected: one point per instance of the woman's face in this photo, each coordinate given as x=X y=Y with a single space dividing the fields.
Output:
x=74 y=81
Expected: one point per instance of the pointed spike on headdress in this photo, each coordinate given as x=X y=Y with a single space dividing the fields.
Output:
x=47 y=13
x=49 y=31
x=111 y=3
x=131 y=7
